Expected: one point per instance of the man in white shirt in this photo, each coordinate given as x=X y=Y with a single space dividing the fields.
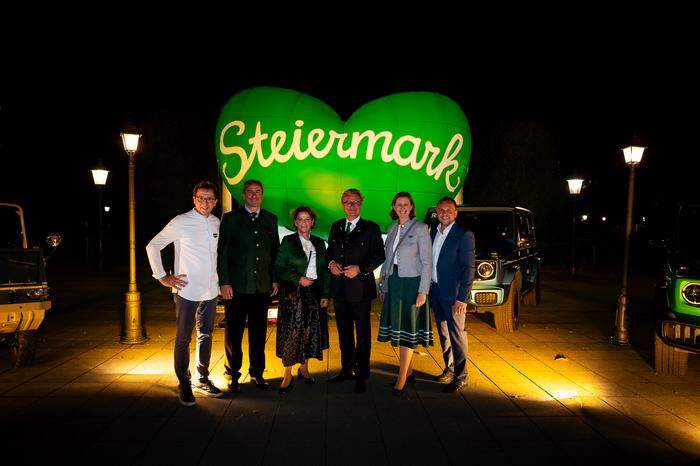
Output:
x=195 y=286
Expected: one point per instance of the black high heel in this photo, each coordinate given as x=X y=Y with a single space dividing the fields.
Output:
x=285 y=390
x=306 y=380
x=411 y=378
x=398 y=391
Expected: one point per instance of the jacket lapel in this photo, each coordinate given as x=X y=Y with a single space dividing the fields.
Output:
x=448 y=241
x=392 y=234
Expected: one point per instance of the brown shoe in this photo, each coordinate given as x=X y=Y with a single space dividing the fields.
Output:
x=454 y=386
x=445 y=377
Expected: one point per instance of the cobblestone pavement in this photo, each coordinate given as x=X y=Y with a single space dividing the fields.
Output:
x=90 y=400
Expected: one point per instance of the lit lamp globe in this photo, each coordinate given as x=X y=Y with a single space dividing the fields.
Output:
x=130 y=139
x=575 y=185
x=99 y=176
x=633 y=154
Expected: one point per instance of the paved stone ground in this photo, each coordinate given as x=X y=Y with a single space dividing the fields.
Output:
x=90 y=400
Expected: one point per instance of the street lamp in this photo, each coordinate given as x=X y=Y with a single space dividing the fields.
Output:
x=99 y=177
x=575 y=185
x=633 y=156
x=133 y=330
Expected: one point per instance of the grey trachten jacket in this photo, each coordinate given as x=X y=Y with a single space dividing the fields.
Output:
x=414 y=255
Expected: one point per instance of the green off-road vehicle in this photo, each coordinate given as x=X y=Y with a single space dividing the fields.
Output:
x=507 y=261
x=24 y=293
x=677 y=296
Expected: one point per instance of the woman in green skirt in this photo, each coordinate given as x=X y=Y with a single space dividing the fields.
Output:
x=406 y=272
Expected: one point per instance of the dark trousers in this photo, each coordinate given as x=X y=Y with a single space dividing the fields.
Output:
x=187 y=313
x=252 y=307
x=453 y=336
x=351 y=317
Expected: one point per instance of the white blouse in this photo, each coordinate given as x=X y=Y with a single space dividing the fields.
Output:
x=310 y=252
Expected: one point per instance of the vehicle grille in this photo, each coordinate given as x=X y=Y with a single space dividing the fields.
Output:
x=684 y=334
x=485 y=298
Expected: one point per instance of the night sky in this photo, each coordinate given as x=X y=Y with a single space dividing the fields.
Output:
x=568 y=114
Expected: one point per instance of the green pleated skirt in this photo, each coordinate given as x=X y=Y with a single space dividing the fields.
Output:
x=401 y=322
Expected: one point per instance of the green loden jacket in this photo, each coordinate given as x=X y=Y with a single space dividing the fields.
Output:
x=247 y=250
x=290 y=265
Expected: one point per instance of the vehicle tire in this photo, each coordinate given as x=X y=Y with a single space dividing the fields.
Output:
x=24 y=348
x=669 y=360
x=532 y=297
x=505 y=317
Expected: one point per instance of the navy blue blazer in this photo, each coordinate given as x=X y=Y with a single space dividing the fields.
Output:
x=455 y=265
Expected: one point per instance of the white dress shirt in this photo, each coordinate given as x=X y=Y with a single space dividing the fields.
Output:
x=437 y=246
x=353 y=224
x=310 y=252
x=195 y=238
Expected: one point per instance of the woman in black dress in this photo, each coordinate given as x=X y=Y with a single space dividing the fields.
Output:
x=302 y=323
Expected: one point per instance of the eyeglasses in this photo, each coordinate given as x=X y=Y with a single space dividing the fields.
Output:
x=205 y=199
x=305 y=220
x=352 y=202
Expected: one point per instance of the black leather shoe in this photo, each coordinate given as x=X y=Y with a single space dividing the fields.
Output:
x=234 y=387
x=445 y=377
x=341 y=377
x=398 y=392
x=306 y=380
x=260 y=382
x=411 y=378
x=360 y=385
x=454 y=386
x=285 y=390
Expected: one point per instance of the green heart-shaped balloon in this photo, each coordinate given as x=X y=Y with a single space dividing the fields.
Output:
x=306 y=155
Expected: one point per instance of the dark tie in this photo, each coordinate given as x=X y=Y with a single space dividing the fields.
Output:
x=347 y=227
x=253 y=215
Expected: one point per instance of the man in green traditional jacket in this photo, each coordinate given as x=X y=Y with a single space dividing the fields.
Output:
x=247 y=249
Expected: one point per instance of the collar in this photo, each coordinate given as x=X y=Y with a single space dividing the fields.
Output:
x=257 y=213
x=353 y=223
x=304 y=240
x=447 y=229
x=410 y=221
x=196 y=214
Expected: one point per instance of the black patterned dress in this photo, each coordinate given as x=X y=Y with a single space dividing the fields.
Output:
x=302 y=327
x=302 y=324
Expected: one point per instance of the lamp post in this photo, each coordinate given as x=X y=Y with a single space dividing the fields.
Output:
x=633 y=156
x=133 y=330
x=575 y=185
x=99 y=177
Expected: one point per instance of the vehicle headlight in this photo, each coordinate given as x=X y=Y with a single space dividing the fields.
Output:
x=691 y=293
x=485 y=270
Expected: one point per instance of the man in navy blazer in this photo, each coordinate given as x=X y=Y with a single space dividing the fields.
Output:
x=453 y=273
